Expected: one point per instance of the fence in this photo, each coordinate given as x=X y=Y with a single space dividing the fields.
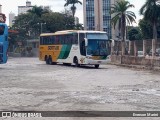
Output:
x=130 y=46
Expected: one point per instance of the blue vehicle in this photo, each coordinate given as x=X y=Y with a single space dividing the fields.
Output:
x=3 y=43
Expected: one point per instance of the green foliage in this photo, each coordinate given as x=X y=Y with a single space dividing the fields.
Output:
x=30 y=24
x=134 y=34
x=151 y=12
x=146 y=29
x=39 y=11
x=79 y=27
x=58 y=21
x=73 y=7
x=122 y=16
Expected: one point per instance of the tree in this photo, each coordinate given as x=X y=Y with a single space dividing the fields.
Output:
x=79 y=27
x=151 y=12
x=73 y=7
x=2 y=18
x=39 y=11
x=134 y=34
x=146 y=29
x=29 y=25
x=58 y=21
x=122 y=16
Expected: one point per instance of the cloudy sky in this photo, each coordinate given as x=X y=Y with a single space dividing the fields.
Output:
x=56 y=6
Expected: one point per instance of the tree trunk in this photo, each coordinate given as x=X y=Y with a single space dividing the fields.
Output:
x=123 y=47
x=144 y=48
x=112 y=47
x=73 y=9
x=130 y=47
x=123 y=29
x=135 y=49
x=154 y=40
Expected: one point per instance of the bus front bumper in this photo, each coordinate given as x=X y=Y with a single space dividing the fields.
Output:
x=94 y=62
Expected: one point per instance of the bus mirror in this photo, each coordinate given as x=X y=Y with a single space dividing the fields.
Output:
x=86 y=42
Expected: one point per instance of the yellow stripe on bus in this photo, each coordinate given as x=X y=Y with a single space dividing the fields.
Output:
x=52 y=50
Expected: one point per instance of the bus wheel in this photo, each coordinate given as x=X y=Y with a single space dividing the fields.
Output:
x=96 y=66
x=50 y=61
x=47 y=60
x=76 y=62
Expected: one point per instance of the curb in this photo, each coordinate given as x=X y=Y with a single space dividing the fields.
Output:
x=137 y=67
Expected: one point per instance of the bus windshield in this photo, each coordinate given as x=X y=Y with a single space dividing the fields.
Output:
x=97 y=44
x=97 y=47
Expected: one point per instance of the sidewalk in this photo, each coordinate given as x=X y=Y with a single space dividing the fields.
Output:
x=141 y=67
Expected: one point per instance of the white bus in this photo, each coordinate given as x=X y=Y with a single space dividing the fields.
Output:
x=75 y=47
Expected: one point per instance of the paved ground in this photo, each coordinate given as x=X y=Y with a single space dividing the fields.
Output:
x=28 y=84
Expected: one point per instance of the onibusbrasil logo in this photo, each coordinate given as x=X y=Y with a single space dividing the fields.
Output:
x=20 y=114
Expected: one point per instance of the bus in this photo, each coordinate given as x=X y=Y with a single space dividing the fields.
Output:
x=3 y=43
x=76 y=47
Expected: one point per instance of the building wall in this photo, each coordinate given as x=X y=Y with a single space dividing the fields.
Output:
x=11 y=19
x=76 y=20
x=115 y=31
x=89 y=14
x=24 y=9
x=97 y=16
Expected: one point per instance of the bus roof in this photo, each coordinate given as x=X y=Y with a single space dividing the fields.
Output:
x=71 y=31
x=46 y=34
x=79 y=31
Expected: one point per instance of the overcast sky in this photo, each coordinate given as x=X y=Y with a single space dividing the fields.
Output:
x=56 y=6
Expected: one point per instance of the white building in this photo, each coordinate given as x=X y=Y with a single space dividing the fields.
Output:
x=24 y=9
x=97 y=16
x=11 y=19
x=76 y=20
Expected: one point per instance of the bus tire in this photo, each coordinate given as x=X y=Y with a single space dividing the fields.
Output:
x=50 y=61
x=47 y=60
x=96 y=66
x=76 y=62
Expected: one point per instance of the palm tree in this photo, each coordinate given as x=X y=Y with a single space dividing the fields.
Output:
x=122 y=16
x=73 y=7
x=151 y=12
x=38 y=11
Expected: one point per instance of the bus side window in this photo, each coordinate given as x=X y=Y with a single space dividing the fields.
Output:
x=2 y=29
x=62 y=39
x=70 y=39
x=75 y=38
x=44 y=40
x=82 y=44
x=56 y=39
x=67 y=39
x=41 y=40
x=52 y=39
x=49 y=40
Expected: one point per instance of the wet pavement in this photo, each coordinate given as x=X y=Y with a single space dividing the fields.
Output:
x=28 y=84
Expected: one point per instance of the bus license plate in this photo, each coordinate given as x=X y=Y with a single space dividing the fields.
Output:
x=99 y=61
